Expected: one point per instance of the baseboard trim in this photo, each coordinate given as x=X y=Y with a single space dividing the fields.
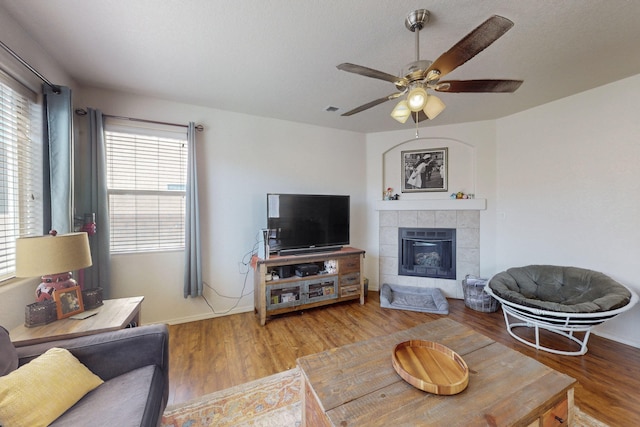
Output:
x=205 y=316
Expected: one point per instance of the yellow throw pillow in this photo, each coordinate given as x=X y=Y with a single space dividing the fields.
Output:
x=40 y=391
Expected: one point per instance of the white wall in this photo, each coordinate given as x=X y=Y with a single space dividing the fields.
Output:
x=569 y=187
x=470 y=145
x=22 y=44
x=240 y=159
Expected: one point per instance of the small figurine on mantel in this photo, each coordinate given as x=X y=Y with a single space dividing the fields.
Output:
x=388 y=194
x=461 y=195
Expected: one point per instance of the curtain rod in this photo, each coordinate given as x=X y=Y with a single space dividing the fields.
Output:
x=55 y=88
x=83 y=112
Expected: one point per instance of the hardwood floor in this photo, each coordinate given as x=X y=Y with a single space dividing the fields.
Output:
x=210 y=355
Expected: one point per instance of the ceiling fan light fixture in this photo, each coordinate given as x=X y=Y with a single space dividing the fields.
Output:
x=401 y=111
x=421 y=76
x=417 y=99
x=433 y=75
x=433 y=107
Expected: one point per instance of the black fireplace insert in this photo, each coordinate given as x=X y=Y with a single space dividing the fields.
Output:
x=427 y=252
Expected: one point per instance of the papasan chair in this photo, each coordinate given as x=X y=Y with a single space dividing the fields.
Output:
x=563 y=300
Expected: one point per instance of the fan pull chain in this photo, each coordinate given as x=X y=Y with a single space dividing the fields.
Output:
x=417 y=130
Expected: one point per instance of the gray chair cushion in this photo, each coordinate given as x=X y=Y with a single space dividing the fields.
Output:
x=8 y=354
x=560 y=289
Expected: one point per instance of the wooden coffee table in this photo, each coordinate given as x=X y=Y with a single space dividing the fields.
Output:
x=356 y=385
x=114 y=314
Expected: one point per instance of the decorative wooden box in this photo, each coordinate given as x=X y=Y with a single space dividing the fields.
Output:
x=40 y=313
x=92 y=298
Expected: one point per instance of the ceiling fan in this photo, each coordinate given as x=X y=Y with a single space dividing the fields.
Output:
x=423 y=75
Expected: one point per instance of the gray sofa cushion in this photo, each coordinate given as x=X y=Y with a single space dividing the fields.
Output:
x=560 y=289
x=8 y=354
x=128 y=398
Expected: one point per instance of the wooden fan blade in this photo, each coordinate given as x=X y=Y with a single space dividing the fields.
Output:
x=370 y=72
x=503 y=86
x=373 y=103
x=472 y=44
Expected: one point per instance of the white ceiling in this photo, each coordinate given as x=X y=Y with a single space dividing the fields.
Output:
x=277 y=58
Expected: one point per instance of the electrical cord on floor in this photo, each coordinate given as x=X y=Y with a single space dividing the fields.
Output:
x=246 y=263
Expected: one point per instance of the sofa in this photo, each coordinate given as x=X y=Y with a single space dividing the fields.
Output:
x=130 y=368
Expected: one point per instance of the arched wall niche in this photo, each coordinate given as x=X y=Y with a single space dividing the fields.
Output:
x=461 y=167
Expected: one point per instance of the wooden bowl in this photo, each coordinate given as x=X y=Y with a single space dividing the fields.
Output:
x=430 y=367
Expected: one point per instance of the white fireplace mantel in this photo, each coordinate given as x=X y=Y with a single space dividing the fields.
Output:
x=432 y=205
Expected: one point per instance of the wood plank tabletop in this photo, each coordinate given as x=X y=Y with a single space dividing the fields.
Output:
x=357 y=383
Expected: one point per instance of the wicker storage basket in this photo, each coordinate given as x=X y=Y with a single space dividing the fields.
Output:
x=40 y=313
x=475 y=297
x=92 y=298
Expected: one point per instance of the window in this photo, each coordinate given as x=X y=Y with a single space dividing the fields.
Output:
x=146 y=182
x=20 y=169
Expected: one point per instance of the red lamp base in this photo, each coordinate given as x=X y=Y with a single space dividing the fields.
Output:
x=53 y=282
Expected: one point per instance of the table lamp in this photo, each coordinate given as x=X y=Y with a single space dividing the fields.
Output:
x=52 y=257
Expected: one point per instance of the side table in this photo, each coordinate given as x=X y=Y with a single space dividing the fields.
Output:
x=114 y=314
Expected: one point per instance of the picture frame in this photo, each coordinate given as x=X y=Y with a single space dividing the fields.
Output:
x=68 y=301
x=424 y=170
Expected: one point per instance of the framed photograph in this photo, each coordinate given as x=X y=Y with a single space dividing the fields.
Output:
x=424 y=170
x=68 y=301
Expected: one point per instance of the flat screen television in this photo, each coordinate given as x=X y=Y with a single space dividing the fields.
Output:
x=301 y=223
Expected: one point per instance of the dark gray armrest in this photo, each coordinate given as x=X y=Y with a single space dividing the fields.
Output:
x=111 y=354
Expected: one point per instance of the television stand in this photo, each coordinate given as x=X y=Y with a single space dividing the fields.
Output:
x=289 y=292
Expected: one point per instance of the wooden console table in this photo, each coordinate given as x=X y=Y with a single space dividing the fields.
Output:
x=356 y=385
x=114 y=314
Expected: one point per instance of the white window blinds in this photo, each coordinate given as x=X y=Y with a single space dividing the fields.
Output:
x=20 y=169
x=146 y=180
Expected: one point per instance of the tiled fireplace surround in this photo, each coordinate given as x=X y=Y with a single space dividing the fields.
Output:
x=467 y=225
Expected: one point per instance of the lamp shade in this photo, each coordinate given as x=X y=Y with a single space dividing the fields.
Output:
x=401 y=111
x=417 y=99
x=45 y=255
x=433 y=107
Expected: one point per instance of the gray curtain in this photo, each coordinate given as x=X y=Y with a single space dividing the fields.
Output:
x=91 y=198
x=58 y=157
x=193 y=262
